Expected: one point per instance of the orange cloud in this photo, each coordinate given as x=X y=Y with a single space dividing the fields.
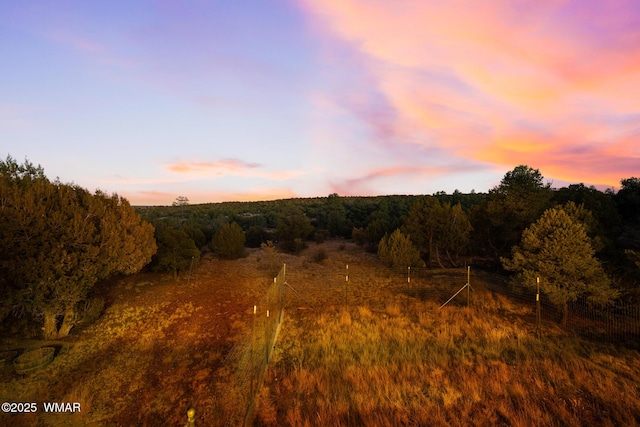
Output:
x=503 y=82
x=229 y=167
x=221 y=167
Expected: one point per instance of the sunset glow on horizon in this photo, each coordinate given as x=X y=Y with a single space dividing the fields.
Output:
x=261 y=100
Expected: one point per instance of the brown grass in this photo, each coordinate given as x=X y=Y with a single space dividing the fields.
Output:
x=387 y=360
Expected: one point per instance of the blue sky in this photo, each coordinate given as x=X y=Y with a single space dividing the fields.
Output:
x=255 y=100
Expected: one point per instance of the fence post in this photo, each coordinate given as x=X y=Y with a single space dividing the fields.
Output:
x=538 y=331
x=406 y=300
x=191 y=418
x=346 y=287
x=253 y=375
x=266 y=338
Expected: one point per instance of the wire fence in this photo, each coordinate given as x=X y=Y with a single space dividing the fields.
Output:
x=614 y=322
x=359 y=284
x=250 y=356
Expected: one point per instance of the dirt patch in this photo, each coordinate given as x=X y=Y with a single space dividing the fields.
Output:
x=157 y=350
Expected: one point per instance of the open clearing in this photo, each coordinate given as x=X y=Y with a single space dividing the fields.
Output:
x=357 y=352
x=156 y=351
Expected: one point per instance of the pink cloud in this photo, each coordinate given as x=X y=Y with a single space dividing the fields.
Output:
x=501 y=82
x=220 y=167
x=229 y=167
x=370 y=182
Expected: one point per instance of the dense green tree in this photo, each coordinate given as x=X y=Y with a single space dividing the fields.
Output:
x=358 y=211
x=605 y=226
x=438 y=227
x=195 y=233
x=601 y=204
x=556 y=248
x=379 y=225
x=397 y=251
x=58 y=240
x=256 y=235
x=228 y=242
x=509 y=208
x=628 y=200
x=176 y=251
x=585 y=217
x=456 y=231
x=423 y=223
x=337 y=222
x=293 y=228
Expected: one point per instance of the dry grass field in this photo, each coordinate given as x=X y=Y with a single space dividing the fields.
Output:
x=371 y=351
x=378 y=358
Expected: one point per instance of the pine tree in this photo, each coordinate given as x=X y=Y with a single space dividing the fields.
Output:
x=556 y=248
x=436 y=227
x=510 y=208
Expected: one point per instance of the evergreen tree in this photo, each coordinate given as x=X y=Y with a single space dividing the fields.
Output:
x=176 y=251
x=229 y=241
x=557 y=249
x=293 y=228
x=397 y=251
x=628 y=200
x=455 y=232
x=58 y=240
x=436 y=227
x=337 y=222
x=509 y=208
x=422 y=225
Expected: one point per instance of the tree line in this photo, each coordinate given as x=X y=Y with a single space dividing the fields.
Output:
x=577 y=241
x=59 y=240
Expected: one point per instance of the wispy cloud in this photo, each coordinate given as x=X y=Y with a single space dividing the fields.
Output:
x=230 y=167
x=500 y=82
x=220 y=167
x=370 y=182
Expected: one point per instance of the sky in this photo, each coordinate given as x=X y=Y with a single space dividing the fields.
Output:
x=268 y=99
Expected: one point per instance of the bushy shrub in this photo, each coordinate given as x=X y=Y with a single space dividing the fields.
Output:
x=319 y=256
x=269 y=261
x=397 y=251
